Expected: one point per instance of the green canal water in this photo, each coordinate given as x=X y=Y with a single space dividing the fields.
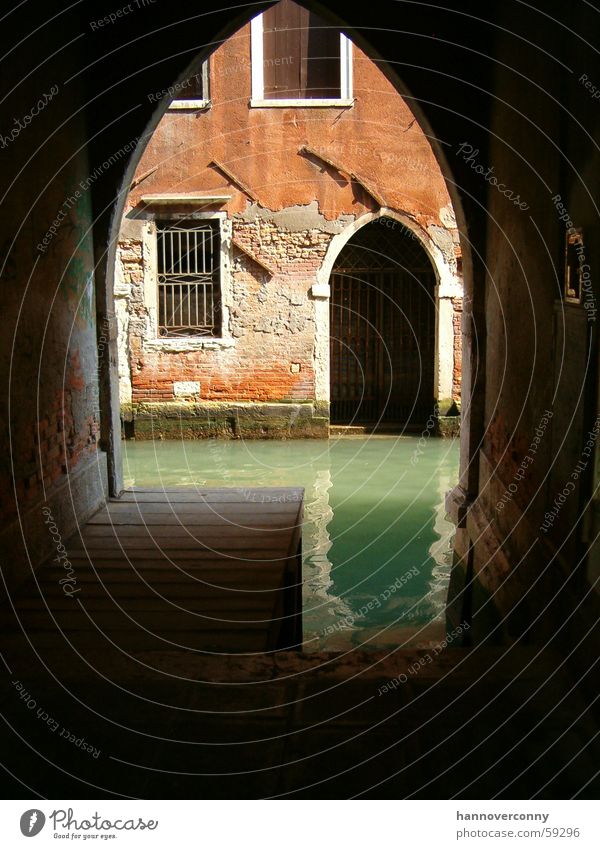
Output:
x=376 y=544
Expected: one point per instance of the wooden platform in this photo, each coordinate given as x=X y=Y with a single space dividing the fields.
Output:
x=215 y=570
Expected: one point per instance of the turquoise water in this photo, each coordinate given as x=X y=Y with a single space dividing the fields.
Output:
x=376 y=545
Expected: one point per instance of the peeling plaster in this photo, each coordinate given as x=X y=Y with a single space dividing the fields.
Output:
x=447 y=217
x=442 y=239
x=295 y=219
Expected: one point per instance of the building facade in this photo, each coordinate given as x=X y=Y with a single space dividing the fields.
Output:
x=288 y=257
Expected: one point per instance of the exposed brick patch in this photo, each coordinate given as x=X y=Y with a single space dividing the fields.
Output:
x=271 y=319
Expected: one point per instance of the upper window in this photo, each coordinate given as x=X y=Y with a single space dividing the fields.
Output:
x=193 y=92
x=298 y=59
x=189 y=290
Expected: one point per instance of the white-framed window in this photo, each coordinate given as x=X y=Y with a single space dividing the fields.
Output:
x=188 y=260
x=194 y=92
x=298 y=59
x=187 y=280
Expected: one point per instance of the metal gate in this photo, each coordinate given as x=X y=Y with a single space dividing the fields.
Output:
x=382 y=330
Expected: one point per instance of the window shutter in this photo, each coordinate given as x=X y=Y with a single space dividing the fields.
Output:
x=301 y=54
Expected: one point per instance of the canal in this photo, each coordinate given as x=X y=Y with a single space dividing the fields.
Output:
x=376 y=544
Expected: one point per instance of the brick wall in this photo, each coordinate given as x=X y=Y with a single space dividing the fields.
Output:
x=271 y=322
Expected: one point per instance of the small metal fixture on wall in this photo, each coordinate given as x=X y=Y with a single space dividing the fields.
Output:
x=573 y=261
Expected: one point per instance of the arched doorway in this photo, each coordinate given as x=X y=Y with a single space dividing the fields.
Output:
x=382 y=328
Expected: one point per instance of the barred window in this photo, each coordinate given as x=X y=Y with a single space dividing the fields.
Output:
x=189 y=286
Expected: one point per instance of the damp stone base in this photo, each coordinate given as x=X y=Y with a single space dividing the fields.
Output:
x=226 y=420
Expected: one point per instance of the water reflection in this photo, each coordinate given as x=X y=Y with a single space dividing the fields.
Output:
x=440 y=549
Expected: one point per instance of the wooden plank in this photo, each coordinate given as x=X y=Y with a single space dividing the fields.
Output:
x=235 y=180
x=220 y=546
x=179 y=593
x=193 y=562
x=208 y=642
x=277 y=521
x=188 y=569
x=188 y=512
x=247 y=252
x=220 y=577
x=197 y=583
x=198 y=500
x=177 y=502
x=155 y=621
x=345 y=172
x=224 y=602
x=262 y=495
x=178 y=532
x=163 y=559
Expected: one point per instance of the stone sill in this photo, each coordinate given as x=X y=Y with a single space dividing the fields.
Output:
x=178 y=105
x=182 y=345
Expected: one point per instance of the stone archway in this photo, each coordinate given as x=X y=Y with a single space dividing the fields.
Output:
x=382 y=329
x=447 y=294
x=442 y=381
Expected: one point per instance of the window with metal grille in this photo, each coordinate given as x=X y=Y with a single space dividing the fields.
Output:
x=189 y=286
